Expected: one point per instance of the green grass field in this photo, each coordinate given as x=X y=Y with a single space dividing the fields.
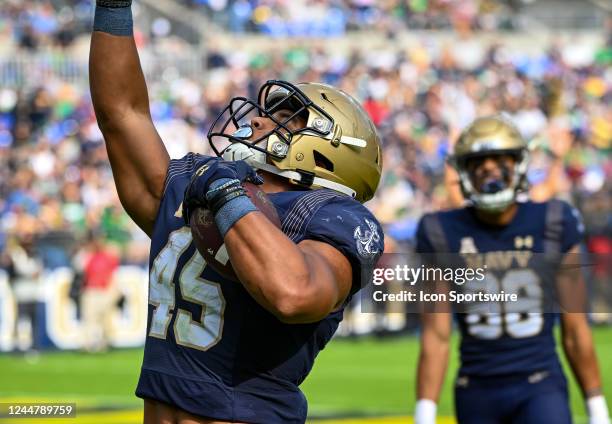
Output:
x=351 y=378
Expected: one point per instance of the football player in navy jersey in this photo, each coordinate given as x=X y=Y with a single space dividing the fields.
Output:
x=217 y=350
x=510 y=372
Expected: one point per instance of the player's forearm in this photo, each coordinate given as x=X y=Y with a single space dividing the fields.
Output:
x=580 y=353
x=277 y=273
x=117 y=83
x=431 y=371
x=137 y=155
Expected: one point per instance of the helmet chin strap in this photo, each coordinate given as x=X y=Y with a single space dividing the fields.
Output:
x=257 y=159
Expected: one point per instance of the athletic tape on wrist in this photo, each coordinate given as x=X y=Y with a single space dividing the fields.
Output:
x=425 y=412
x=232 y=211
x=597 y=408
x=228 y=202
x=114 y=20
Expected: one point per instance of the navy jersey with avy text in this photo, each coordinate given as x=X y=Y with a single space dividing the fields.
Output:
x=211 y=349
x=516 y=337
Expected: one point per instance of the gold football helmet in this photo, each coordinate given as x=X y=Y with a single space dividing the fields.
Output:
x=491 y=136
x=337 y=148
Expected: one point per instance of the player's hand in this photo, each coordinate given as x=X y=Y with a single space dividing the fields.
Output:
x=209 y=171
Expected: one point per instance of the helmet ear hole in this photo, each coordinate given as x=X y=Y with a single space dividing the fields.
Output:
x=322 y=162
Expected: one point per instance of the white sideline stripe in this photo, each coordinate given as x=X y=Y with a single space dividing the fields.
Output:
x=222 y=257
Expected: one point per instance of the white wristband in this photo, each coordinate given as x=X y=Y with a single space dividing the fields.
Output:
x=425 y=412
x=598 y=410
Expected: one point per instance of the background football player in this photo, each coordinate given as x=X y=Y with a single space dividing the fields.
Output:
x=510 y=372
x=235 y=351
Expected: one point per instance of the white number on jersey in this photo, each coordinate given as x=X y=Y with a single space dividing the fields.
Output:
x=203 y=333
x=519 y=319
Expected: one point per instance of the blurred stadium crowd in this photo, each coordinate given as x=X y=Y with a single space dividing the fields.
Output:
x=57 y=195
x=335 y=17
x=38 y=24
x=59 y=21
x=33 y=25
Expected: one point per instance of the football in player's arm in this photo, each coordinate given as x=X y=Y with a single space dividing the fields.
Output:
x=509 y=370
x=219 y=350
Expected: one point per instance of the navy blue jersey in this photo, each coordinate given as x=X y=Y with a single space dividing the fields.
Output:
x=511 y=338
x=211 y=349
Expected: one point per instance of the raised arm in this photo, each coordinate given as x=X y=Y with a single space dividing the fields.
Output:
x=137 y=155
x=559 y=146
